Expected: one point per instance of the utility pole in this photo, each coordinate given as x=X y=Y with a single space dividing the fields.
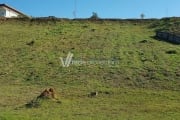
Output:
x=75 y=9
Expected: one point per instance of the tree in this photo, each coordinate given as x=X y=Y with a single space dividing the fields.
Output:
x=94 y=16
x=142 y=16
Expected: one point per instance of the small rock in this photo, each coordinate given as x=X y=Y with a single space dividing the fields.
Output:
x=30 y=43
x=93 y=94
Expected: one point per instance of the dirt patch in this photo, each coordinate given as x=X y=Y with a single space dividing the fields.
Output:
x=46 y=94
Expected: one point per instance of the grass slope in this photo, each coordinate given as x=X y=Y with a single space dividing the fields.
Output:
x=171 y=25
x=141 y=82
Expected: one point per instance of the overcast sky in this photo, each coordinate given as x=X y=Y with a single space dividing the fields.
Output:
x=104 y=8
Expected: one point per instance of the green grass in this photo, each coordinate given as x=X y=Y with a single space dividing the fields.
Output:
x=171 y=25
x=143 y=84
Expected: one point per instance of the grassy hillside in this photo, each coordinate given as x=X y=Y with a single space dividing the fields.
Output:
x=171 y=25
x=140 y=81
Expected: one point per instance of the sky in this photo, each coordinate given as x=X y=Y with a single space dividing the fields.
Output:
x=104 y=8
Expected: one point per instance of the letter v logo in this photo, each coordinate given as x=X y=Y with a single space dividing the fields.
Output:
x=68 y=60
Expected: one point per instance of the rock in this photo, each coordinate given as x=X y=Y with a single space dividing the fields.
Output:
x=93 y=94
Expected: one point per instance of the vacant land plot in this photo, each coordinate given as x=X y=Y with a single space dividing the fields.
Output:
x=136 y=76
